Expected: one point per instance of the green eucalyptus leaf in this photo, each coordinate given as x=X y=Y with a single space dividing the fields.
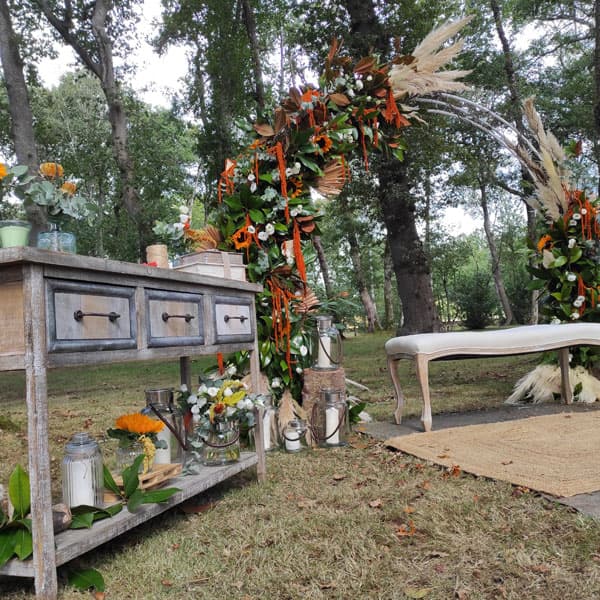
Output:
x=18 y=491
x=87 y=578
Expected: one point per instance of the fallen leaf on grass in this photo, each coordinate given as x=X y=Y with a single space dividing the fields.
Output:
x=376 y=503
x=175 y=546
x=424 y=485
x=99 y=595
x=543 y=569
x=167 y=582
x=198 y=581
x=191 y=509
x=406 y=530
x=439 y=568
x=328 y=586
x=461 y=595
x=338 y=477
x=455 y=471
x=519 y=490
x=507 y=462
x=416 y=592
x=409 y=509
x=87 y=423
x=306 y=503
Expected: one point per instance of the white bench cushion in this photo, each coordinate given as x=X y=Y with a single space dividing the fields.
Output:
x=518 y=340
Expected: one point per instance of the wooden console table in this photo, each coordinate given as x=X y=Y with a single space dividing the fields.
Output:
x=61 y=310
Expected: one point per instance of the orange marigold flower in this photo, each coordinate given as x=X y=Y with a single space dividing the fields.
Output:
x=138 y=423
x=543 y=241
x=3 y=171
x=68 y=187
x=51 y=170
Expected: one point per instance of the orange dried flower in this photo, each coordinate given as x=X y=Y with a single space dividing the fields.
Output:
x=543 y=241
x=323 y=143
x=138 y=423
x=51 y=170
x=3 y=171
x=68 y=187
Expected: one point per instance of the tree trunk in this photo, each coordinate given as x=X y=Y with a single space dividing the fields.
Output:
x=316 y=241
x=250 y=25
x=496 y=271
x=19 y=109
x=517 y=110
x=413 y=276
x=361 y=283
x=388 y=291
x=597 y=86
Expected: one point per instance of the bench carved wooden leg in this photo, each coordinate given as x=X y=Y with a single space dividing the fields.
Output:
x=422 y=368
x=565 y=385
x=393 y=369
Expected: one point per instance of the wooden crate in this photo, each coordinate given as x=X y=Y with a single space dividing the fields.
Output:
x=158 y=475
x=229 y=265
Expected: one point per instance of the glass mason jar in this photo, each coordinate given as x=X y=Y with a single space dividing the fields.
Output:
x=221 y=444
x=57 y=240
x=159 y=406
x=126 y=454
x=293 y=435
x=270 y=426
x=82 y=473
x=326 y=345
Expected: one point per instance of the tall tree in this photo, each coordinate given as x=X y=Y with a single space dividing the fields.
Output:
x=91 y=32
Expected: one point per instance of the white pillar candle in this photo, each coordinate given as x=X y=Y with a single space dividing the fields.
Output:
x=292 y=440
x=323 y=361
x=267 y=429
x=80 y=475
x=163 y=455
x=332 y=421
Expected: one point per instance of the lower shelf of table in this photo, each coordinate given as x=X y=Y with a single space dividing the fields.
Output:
x=74 y=542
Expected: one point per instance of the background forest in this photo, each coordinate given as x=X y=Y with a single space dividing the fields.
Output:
x=384 y=245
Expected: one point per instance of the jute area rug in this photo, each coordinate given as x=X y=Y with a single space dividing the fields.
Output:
x=555 y=454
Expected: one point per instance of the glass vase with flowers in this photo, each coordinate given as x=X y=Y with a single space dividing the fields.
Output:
x=216 y=411
x=137 y=434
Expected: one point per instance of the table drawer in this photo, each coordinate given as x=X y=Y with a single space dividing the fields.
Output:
x=174 y=318
x=88 y=316
x=234 y=319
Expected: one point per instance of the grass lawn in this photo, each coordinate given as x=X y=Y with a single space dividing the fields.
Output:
x=345 y=523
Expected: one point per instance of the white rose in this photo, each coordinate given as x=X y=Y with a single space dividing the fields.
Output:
x=178 y=226
x=184 y=210
x=202 y=389
x=555 y=321
x=230 y=411
x=584 y=211
x=581 y=298
x=195 y=409
x=577 y=303
x=251 y=229
x=572 y=242
x=276 y=382
x=231 y=370
x=299 y=370
x=571 y=277
x=572 y=222
x=183 y=388
x=192 y=399
x=359 y=84
x=263 y=236
x=270 y=229
x=212 y=391
x=183 y=219
x=574 y=316
x=227 y=392
x=576 y=216
x=303 y=350
x=241 y=404
x=201 y=402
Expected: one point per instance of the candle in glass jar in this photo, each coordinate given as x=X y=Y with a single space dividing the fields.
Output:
x=332 y=422
x=267 y=429
x=163 y=455
x=292 y=440
x=323 y=361
x=81 y=486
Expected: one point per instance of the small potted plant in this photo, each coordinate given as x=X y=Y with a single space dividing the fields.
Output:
x=14 y=228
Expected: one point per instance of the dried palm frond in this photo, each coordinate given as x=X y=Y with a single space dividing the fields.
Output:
x=289 y=409
x=305 y=302
x=548 y=170
x=333 y=179
x=207 y=238
x=419 y=73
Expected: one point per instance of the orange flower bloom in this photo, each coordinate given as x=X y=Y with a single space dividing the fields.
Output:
x=323 y=142
x=543 y=241
x=138 y=423
x=3 y=171
x=68 y=187
x=51 y=170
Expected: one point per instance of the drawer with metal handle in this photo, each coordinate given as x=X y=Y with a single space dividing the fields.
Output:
x=234 y=319
x=174 y=318
x=87 y=316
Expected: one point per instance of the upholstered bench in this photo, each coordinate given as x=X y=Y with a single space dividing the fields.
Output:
x=526 y=339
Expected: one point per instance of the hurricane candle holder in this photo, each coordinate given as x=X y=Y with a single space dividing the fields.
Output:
x=326 y=345
x=293 y=435
x=159 y=405
x=82 y=474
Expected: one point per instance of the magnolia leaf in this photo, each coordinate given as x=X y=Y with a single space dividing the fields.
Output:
x=158 y=495
x=135 y=500
x=559 y=261
x=340 y=100
x=82 y=521
x=264 y=129
x=109 y=481
x=23 y=543
x=18 y=491
x=257 y=216
x=87 y=578
x=7 y=544
x=575 y=254
x=131 y=480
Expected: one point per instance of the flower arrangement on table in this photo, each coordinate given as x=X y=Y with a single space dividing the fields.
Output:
x=218 y=401
x=136 y=427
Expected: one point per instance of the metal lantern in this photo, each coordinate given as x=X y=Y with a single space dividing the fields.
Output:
x=293 y=435
x=159 y=405
x=82 y=475
x=329 y=418
x=327 y=345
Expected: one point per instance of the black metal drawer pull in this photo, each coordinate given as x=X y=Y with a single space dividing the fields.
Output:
x=79 y=314
x=166 y=316
x=227 y=318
